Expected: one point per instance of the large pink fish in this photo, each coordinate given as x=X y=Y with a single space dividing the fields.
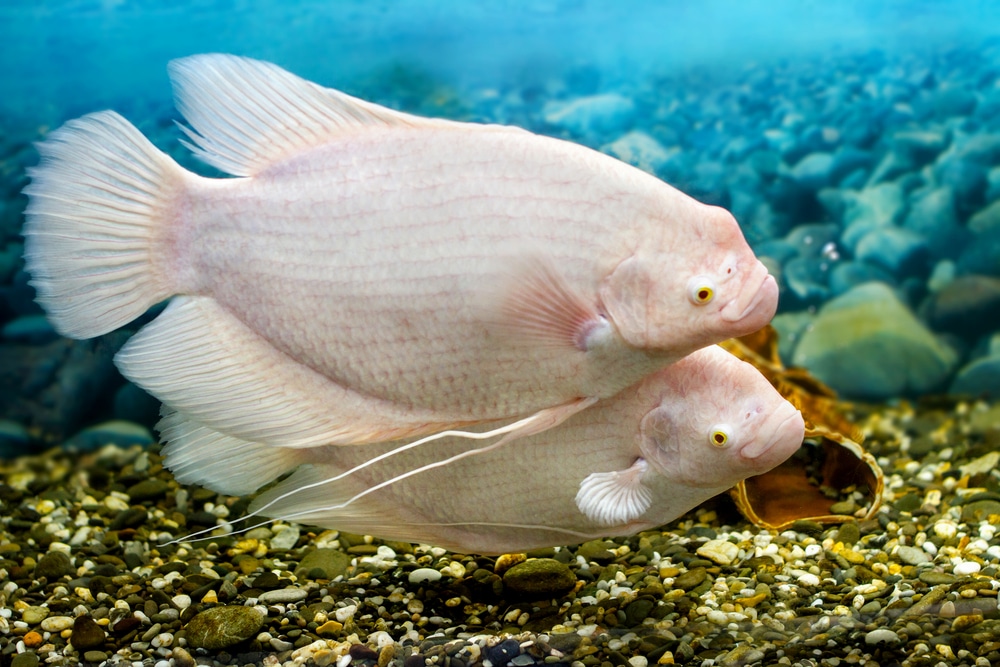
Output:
x=372 y=274
x=630 y=463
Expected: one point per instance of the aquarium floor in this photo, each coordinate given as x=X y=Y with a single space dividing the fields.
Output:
x=85 y=580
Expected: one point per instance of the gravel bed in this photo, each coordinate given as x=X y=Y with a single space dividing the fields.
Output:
x=85 y=579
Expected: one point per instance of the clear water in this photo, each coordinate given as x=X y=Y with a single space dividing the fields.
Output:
x=738 y=94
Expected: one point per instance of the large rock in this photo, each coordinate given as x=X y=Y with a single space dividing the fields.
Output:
x=593 y=115
x=968 y=306
x=933 y=215
x=871 y=208
x=867 y=344
x=640 y=150
x=899 y=251
x=980 y=377
x=222 y=627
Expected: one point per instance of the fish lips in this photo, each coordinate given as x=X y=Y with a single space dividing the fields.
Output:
x=753 y=308
x=786 y=438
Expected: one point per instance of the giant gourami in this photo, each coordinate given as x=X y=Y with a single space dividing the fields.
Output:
x=372 y=275
x=630 y=463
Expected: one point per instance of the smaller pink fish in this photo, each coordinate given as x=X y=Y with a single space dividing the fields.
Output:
x=630 y=463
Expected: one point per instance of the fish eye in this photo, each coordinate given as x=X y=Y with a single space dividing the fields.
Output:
x=701 y=290
x=720 y=435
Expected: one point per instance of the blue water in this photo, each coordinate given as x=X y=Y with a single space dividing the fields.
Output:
x=857 y=143
x=66 y=57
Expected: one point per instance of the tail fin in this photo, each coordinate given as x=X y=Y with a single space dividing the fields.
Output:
x=100 y=197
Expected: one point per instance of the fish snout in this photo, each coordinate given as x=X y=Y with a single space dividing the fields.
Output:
x=778 y=437
x=755 y=304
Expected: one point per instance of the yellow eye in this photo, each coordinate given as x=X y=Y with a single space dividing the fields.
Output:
x=701 y=290
x=720 y=435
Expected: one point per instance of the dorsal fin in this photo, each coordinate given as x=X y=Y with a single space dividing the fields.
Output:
x=248 y=114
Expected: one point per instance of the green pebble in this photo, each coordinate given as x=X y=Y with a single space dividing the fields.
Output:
x=333 y=562
x=539 y=578
x=221 y=627
x=691 y=578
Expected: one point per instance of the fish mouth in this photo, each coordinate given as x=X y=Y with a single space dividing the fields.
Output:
x=754 y=306
x=787 y=437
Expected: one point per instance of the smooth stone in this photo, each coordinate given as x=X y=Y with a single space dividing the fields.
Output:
x=849 y=274
x=932 y=215
x=968 y=306
x=722 y=552
x=867 y=344
x=423 y=575
x=979 y=377
x=34 y=614
x=53 y=565
x=912 y=555
x=790 y=327
x=872 y=208
x=286 y=538
x=57 y=623
x=982 y=256
x=922 y=145
x=27 y=659
x=539 y=578
x=596 y=551
x=980 y=510
x=33 y=329
x=814 y=171
x=640 y=150
x=148 y=489
x=282 y=595
x=222 y=627
x=95 y=657
x=899 y=251
x=882 y=636
x=691 y=579
x=332 y=561
x=116 y=432
x=87 y=634
x=985 y=219
x=609 y=113
x=806 y=278
x=811 y=240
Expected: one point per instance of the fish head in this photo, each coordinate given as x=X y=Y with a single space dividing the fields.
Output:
x=717 y=422
x=698 y=285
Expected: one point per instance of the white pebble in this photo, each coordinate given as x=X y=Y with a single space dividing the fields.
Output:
x=719 y=551
x=422 y=574
x=56 y=623
x=945 y=529
x=718 y=617
x=181 y=601
x=346 y=613
x=813 y=550
x=638 y=661
x=966 y=568
x=163 y=639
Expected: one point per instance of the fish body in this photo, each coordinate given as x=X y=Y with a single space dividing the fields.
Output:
x=373 y=275
x=630 y=463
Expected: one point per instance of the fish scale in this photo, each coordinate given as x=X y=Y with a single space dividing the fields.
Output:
x=372 y=275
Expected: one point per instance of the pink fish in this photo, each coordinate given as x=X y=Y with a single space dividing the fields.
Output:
x=630 y=463
x=373 y=275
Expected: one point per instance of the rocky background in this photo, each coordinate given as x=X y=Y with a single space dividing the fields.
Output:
x=869 y=182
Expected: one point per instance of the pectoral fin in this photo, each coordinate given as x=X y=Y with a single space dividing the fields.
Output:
x=616 y=497
x=535 y=305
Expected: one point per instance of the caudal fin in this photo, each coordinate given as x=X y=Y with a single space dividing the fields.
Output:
x=99 y=202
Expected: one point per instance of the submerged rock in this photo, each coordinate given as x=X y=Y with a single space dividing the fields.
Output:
x=222 y=627
x=867 y=344
x=593 y=115
x=640 y=150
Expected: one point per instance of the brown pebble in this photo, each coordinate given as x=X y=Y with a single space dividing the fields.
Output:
x=33 y=639
x=329 y=629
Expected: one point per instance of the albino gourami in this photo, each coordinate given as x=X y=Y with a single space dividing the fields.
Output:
x=629 y=463
x=370 y=274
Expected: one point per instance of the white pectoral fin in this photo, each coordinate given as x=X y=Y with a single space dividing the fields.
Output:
x=616 y=497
